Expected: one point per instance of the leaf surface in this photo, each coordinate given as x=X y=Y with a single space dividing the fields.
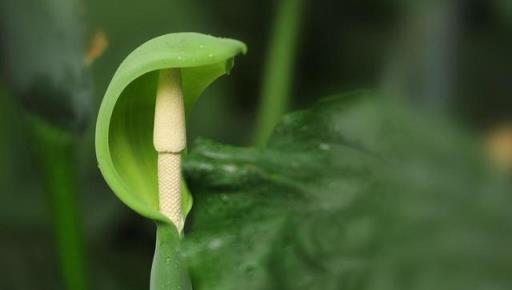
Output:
x=356 y=193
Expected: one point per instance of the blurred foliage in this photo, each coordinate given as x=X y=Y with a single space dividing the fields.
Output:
x=16 y=174
x=356 y=193
x=43 y=52
x=46 y=71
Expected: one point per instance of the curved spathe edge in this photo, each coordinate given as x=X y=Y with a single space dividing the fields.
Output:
x=137 y=64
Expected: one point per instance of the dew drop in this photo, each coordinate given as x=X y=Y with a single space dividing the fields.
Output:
x=215 y=244
x=230 y=168
x=324 y=146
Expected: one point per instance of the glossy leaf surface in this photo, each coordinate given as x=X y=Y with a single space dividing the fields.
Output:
x=357 y=193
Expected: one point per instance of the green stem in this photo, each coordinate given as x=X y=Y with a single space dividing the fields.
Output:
x=168 y=271
x=277 y=76
x=54 y=151
x=422 y=67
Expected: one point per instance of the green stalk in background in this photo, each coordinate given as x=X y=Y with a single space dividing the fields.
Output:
x=277 y=75
x=54 y=150
x=5 y=174
x=504 y=9
x=422 y=65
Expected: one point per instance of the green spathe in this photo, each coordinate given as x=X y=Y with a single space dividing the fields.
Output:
x=124 y=128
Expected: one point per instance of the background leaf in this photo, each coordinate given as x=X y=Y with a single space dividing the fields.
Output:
x=356 y=193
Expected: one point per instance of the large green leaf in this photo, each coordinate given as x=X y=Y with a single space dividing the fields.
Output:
x=124 y=147
x=356 y=193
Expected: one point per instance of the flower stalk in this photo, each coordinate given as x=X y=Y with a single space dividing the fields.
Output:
x=279 y=68
x=55 y=153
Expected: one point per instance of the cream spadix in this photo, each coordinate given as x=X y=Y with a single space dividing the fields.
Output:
x=169 y=128
x=169 y=139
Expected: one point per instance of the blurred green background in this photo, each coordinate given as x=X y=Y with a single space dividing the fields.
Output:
x=457 y=51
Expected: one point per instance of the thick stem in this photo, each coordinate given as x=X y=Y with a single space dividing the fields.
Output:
x=55 y=152
x=168 y=271
x=278 y=69
x=169 y=139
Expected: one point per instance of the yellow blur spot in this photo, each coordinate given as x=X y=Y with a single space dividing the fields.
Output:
x=499 y=145
x=97 y=47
